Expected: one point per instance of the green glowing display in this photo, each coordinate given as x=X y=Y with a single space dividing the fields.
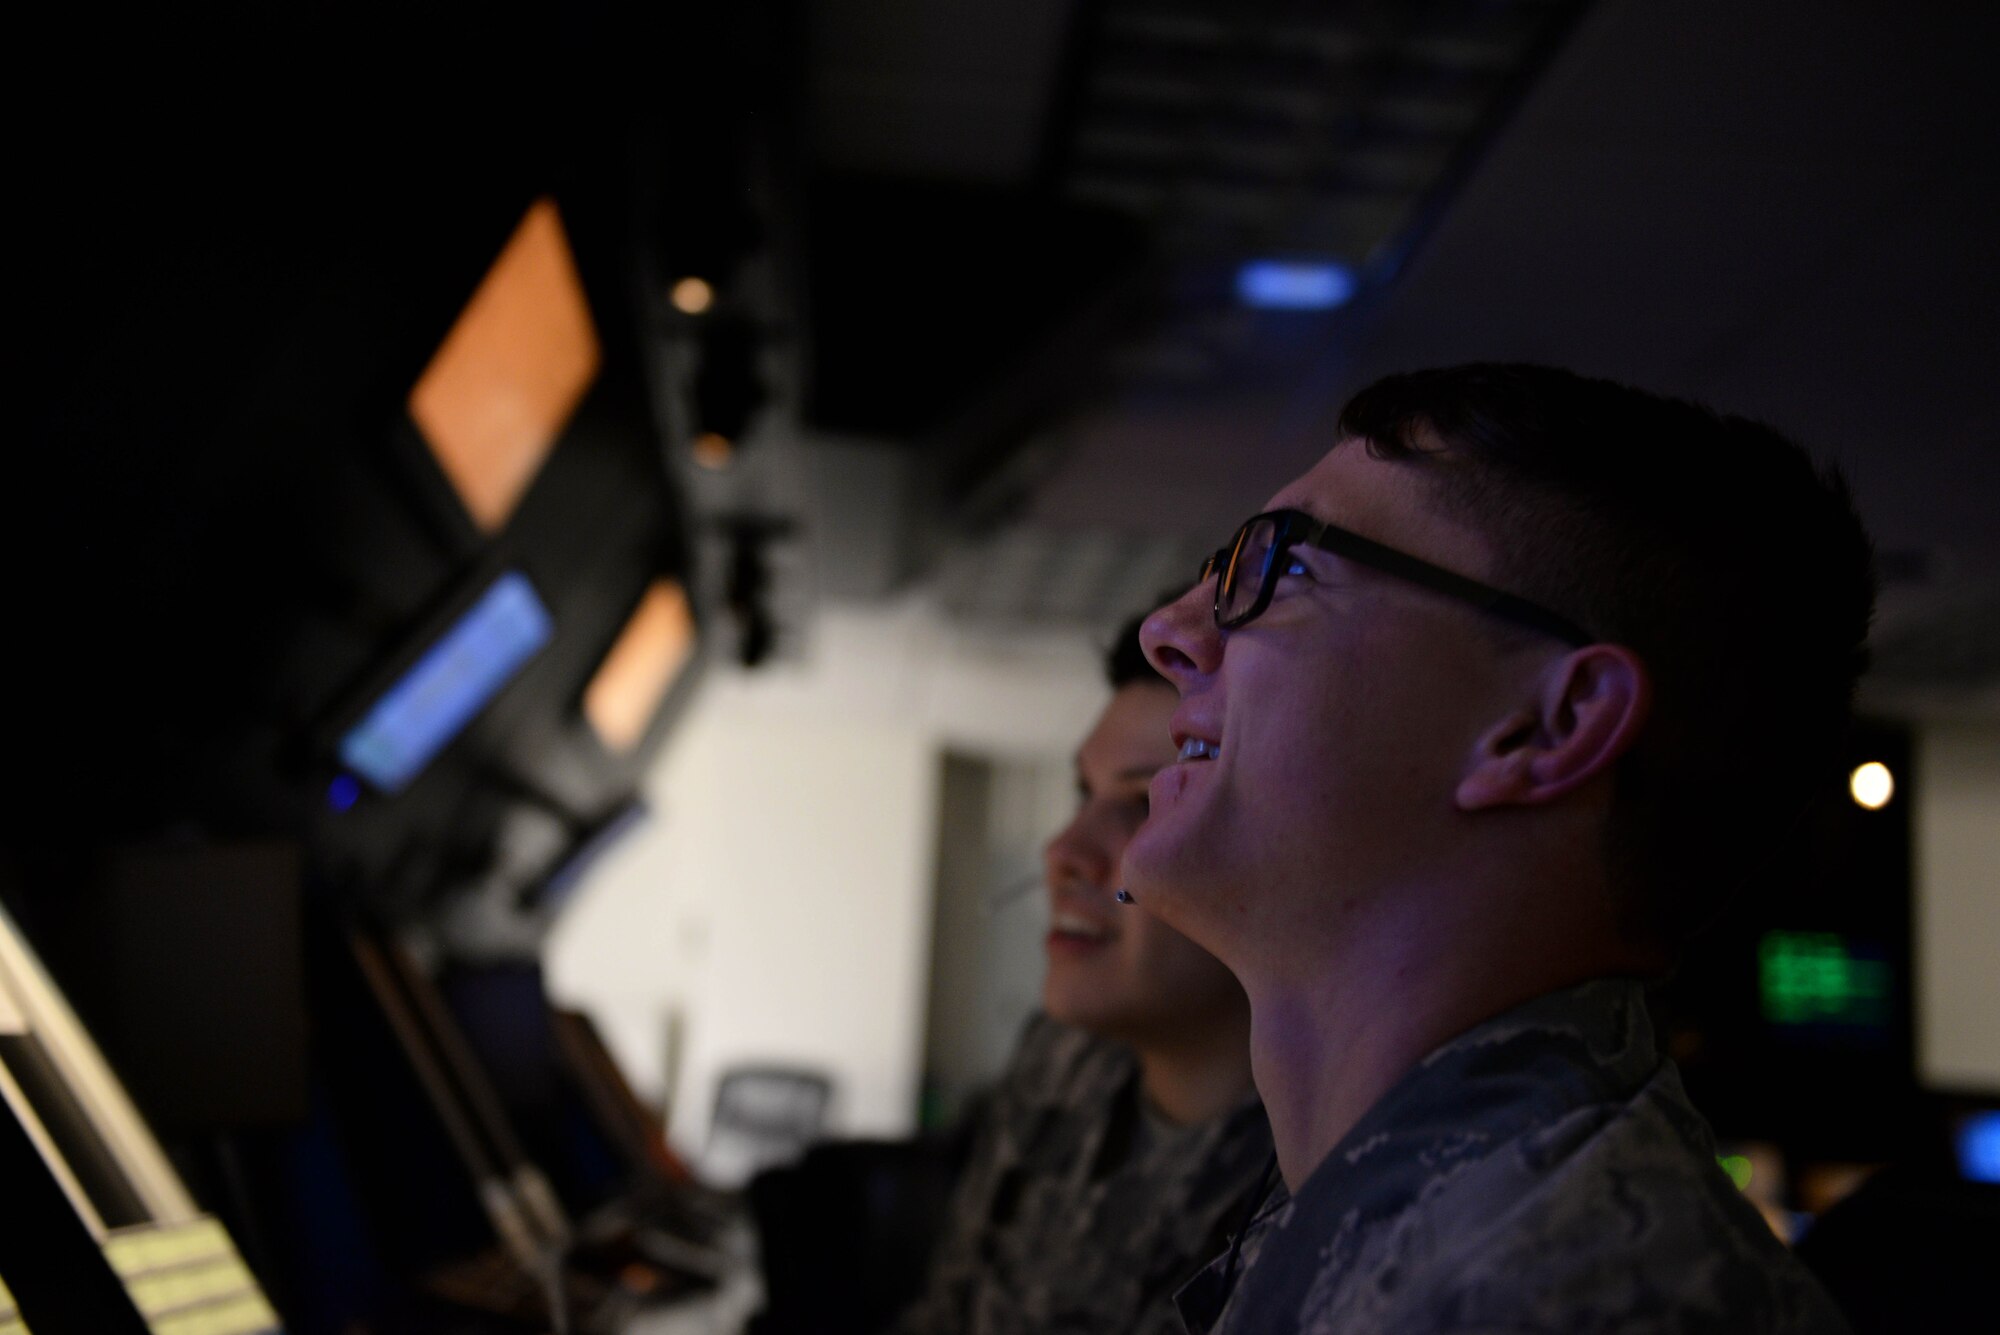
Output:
x=1738 y=1168
x=1819 y=978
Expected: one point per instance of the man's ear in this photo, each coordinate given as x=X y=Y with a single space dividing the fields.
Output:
x=1587 y=711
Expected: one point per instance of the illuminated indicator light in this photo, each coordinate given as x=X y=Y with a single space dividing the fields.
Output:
x=343 y=792
x=1738 y=1168
x=638 y=1278
x=1817 y=978
x=1979 y=1147
x=691 y=296
x=713 y=450
x=1295 y=285
x=1872 y=785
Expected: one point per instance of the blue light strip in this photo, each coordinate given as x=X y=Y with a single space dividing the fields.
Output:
x=1295 y=285
x=449 y=685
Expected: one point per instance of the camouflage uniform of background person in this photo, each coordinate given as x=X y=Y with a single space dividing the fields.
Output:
x=1125 y=1139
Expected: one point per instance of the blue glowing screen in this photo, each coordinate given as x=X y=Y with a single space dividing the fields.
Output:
x=1295 y=285
x=1979 y=1147
x=432 y=702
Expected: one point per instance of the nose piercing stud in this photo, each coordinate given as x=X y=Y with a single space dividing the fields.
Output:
x=1123 y=896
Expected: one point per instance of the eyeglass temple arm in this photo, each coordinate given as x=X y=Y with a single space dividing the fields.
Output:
x=1483 y=596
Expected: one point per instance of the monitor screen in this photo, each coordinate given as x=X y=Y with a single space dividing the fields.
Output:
x=509 y=375
x=625 y=692
x=454 y=679
x=1826 y=983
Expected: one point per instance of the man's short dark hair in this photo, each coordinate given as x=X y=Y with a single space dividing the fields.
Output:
x=1709 y=544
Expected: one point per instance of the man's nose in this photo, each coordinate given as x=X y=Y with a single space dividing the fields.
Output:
x=1181 y=640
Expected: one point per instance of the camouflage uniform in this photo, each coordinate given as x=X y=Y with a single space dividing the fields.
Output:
x=1541 y=1172
x=1080 y=1210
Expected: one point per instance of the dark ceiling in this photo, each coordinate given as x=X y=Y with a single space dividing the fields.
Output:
x=1785 y=209
x=1001 y=235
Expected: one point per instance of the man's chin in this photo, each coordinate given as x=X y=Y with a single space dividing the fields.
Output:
x=1168 y=899
x=1157 y=864
x=1091 y=1018
x=1149 y=860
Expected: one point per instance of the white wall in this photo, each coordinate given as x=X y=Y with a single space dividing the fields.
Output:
x=1957 y=875
x=778 y=905
x=989 y=919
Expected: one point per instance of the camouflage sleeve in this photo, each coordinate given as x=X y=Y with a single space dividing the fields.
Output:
x=1078 y=1212
x=945 y=1306
x=1633 y=1236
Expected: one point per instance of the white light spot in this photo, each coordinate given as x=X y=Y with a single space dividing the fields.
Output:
x=1872 y=785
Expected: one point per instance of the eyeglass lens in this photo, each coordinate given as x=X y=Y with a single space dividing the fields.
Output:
x=1243 y=578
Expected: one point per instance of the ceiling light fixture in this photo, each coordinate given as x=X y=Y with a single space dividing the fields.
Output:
x=1295 y=285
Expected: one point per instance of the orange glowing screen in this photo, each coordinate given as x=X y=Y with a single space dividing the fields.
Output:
x=503 y=384
x=649 y=653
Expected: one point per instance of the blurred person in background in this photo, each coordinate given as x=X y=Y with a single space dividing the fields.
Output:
x=1125 y=1139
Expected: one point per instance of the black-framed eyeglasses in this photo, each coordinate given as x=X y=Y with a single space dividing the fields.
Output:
x=1247 y=571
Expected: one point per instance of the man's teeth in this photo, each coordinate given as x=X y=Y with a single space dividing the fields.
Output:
x=1071 y=925
x=1194 y=748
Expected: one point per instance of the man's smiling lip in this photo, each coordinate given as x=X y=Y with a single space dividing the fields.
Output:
x=1077 y=935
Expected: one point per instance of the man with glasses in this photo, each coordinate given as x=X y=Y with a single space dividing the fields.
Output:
x=1491 y=709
